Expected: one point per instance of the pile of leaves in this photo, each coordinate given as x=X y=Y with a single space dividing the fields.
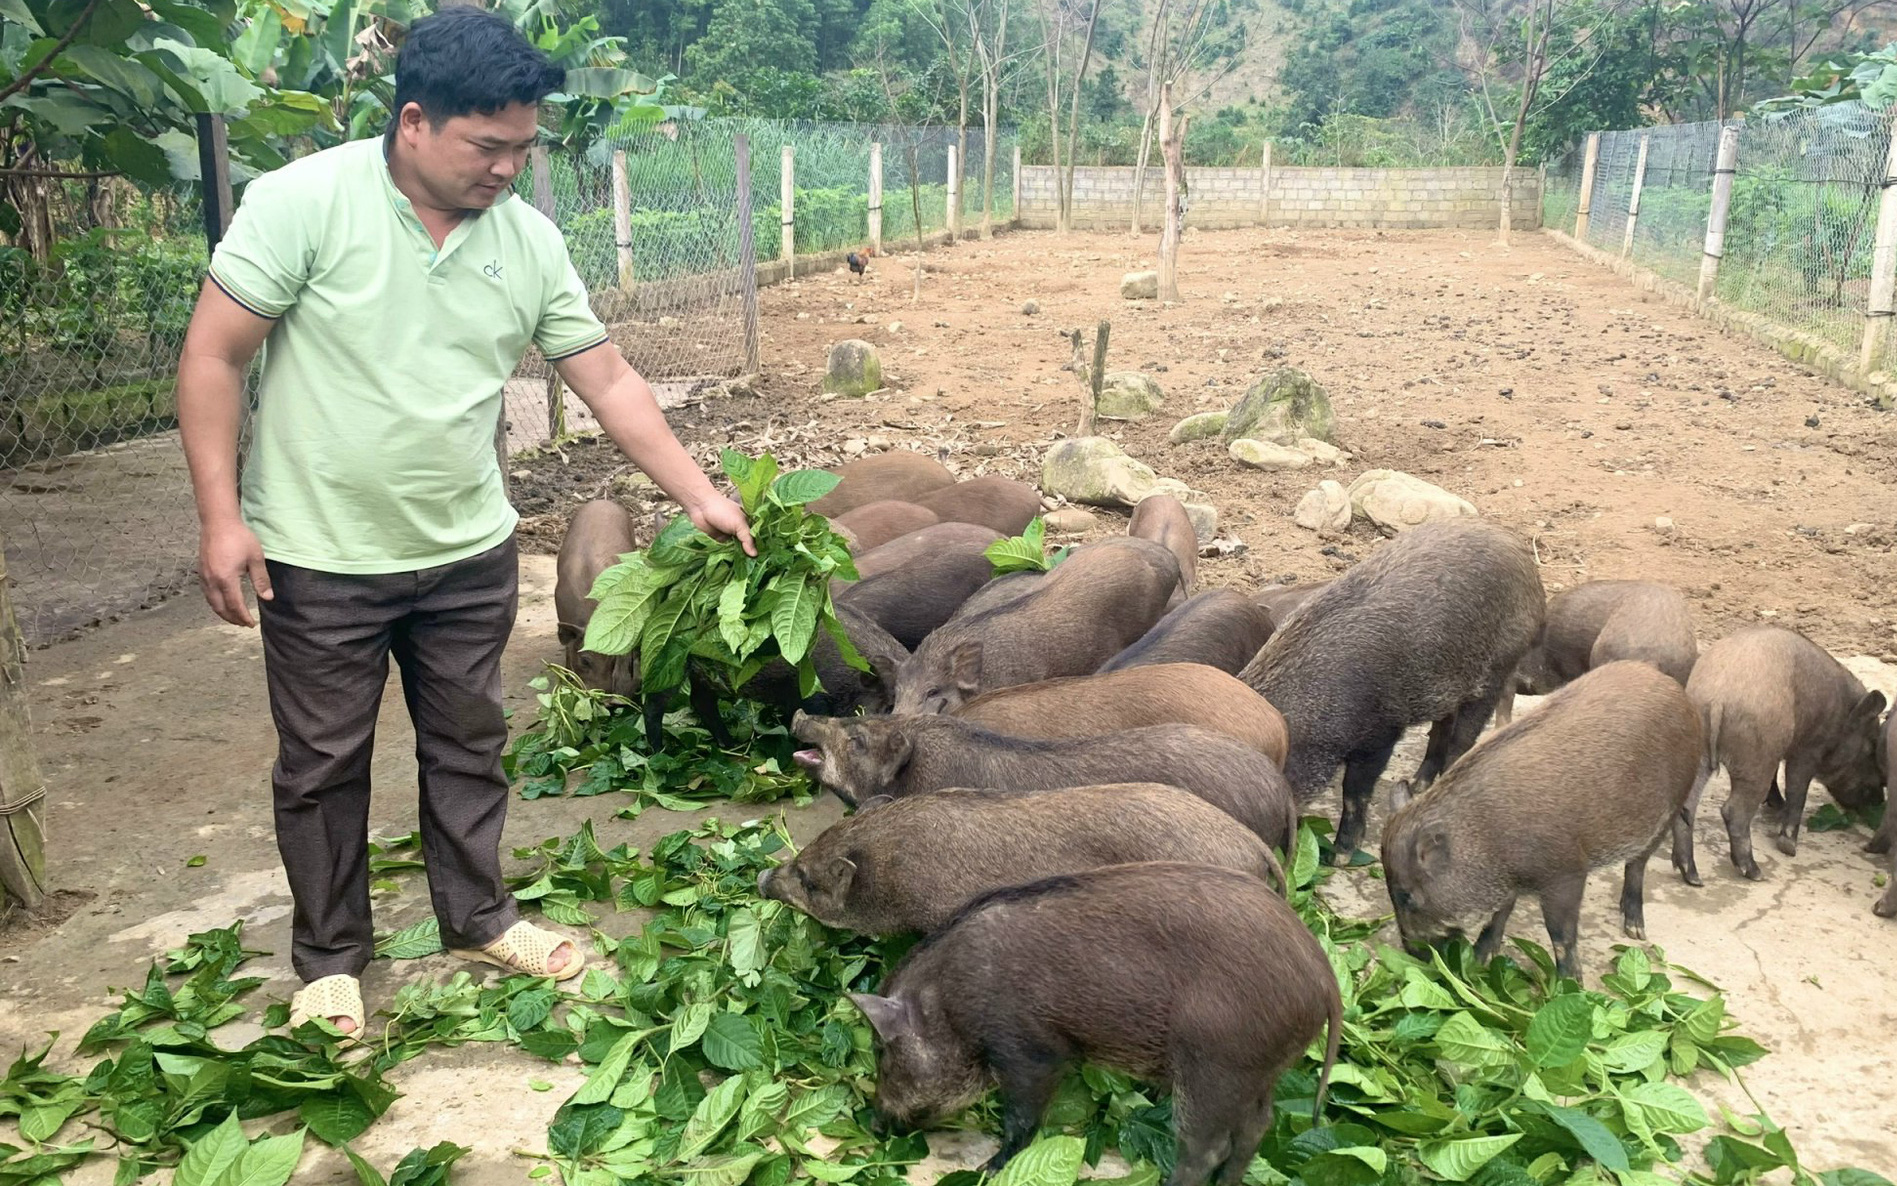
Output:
x=1026 y=552
x=690 y=597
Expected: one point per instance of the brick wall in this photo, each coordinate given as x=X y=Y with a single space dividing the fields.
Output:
x=1411 y=198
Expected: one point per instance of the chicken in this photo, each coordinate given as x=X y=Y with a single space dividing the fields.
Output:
x=859 y=260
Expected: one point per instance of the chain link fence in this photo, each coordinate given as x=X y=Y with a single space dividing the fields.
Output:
x=95 y=499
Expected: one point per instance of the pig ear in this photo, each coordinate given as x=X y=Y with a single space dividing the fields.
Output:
x=1867 y=710
x=890 y=1017
x=840 y=872
x=965 y=665
x=1432 y=850
x=569 y=634
x=1400 y=796
x=873 y=802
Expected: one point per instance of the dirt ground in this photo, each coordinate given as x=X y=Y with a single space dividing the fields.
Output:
x=157 y=744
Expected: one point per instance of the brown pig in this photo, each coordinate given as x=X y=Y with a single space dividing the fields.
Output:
x=1597 y=777
x=1163 y=519
x=901 y=865
x=1131 y=698
x=876 y=523
x=929 y=541
x=1220 y=628
x=599 y=533
x=1002 y=504
x=911 y=602
x=1598 y=622
x=1281 y=601
x=1767 y=695
x=863 y=757
x=845 y=689
x=1199 y=978
x=1067 y=622
x=897 y=474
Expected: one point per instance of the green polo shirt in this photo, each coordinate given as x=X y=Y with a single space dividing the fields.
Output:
x=372 y=448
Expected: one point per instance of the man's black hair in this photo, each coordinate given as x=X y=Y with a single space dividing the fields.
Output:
x=464 y=60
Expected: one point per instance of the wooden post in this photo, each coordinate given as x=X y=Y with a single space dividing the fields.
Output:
x=1877 y=311
x=1096 y=378
x=1587 y=185
x=214 y=174
x=787 y=206
x=22 y=818
x=1723 y=168
x=542 y=162
x=954 y=196
x=1016 y=219
x=1173 y=215
x=1633 y=203
x=876 y=198
x=747 y=253
x=1264 y=186
x=622 y=221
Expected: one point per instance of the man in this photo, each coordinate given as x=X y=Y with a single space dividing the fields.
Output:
x=394 y=286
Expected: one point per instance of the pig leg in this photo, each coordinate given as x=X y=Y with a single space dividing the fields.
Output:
x=1489 y=945
x=1361 y=770
x=704 y=701
x=1683 y=860
x=1886 y=906
x=1505 y=707
x=1633 y=893
x=1467 y=723
x=1741 y=808
x=1246 y=1138
x=654 y=709
x=1207 y=1112
x=1886 y=832
x=1561 y=910
x=1435 y=754
x=1798 y=776
x=1028 y=1074
x=1774 y=801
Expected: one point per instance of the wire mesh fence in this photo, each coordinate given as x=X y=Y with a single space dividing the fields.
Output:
x=95 y=499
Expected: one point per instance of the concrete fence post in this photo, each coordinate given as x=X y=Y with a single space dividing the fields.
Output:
x=1633 y=203
x=1877 y=311
x=1588 y=163
x=1017 y=186
x=747 y=253
x=954 y=195
x=1723 y=168
x=622 y=220
x=787 y=207
x=876 y=198
x=1264 y=185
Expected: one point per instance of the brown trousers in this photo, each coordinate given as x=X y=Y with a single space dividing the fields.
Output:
x=327 y=639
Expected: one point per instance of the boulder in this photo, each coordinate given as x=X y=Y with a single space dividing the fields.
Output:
x=1128 y=395
x=1281 y=408
x=1174 y=487
x=1265 y=455
x=1070 y=521
x=1095 y=471
x=1325 y=510
x=853 y=370
x=1140 y=286
x=1396 y=501
x=1199 y=427
x=1323 y=452
x=1205 y=521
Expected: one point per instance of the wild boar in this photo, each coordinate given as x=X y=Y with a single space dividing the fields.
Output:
x=1068 y=622
x=1598 y=622
x=898 y=474
x=860 y=758
x=1220 y=628
x=1132 y=698
x=1163 y=519
x=901 y=865
x=911 y=602
x=1195 y=977
x=1281 y=601
x=1597 y=777
x=1002 y=504
x=1428 y=628
x=845 y=690
x=929 y=541
x=1766 y=695
x=599 y=533
x=876 y=523
x=1886 y=839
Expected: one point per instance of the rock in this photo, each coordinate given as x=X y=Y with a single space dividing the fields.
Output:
x=1128 y=395
x=853 y=369
x=1325 y=510
x=1264 y=455
x=895 y=327
x=1030 y=308
x=1140 y=286
x=1199 y=427
x=879 y=443
x=1396 y=501
x=1281 y=408
x=1205 y=521
x=854 y=446
x=1174 y=487
x=1323 y=452
x=1095 y=471
x=1664 y=524
x=1070 y=521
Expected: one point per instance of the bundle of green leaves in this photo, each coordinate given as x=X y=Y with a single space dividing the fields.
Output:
x=1026 y=552
x=690 y=597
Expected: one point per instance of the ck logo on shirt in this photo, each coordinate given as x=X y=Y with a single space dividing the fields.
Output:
x=493 y=270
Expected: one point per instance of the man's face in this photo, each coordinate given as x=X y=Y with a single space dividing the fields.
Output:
x=467 y=162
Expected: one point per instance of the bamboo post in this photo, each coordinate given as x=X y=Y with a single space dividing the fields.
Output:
x=543 y=202
x=1587 y=185
x=747 y=253
x=1633 y=203
x=787 y=205
x=954 y=196
x=1016 y=219
x=1173 y=213
x=876 y=198
x=1877 y=311
x=622 y=221
x=214 y=173
x=22 y=818
x=1723 y=168
x=1264 y=186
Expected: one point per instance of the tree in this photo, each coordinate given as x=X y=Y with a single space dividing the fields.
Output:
x=1191 y=44
x=746 y=35
x=988 y=34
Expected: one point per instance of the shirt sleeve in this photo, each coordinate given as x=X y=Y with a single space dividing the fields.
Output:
x=264 y=259
x=567 y=325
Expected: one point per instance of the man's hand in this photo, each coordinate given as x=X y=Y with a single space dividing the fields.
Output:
x=227 y=552
x=721 y=518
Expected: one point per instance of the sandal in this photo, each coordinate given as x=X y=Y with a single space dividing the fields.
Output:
x=329 y=998
x=525 y=948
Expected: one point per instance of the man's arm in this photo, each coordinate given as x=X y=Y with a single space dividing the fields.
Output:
x=222 y=339
x=629 y=412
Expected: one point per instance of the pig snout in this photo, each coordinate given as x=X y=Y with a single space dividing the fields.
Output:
x=764 y=881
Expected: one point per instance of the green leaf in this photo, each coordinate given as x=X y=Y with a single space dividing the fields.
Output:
x=1026 y=552
x=427 y=1167
x=1628 y=1053
x=1666 y=1106
x=611 y=1069
x=1419 y=991
x=716 y=1110
x=366 y=1174
x=690 y=1022
x=1304 y=862
x=744 y=943
x=336 y=1117
x=1852 y=1176
x=1703 y=1022
x=814 y=1109
x=731 y=1043
x=801 y=486
x=1463 y=1039
x=212 y=1155
x=17 y=12
x=196 y=862
x=731 y=626
x=1049 y=1161
x=1346 y=1165
x=411 y=942
x=268 y=1162
x=728 y=1170
x=1594 y=1138
x=1560 y=1030
x=1455 y=1161
x=794 y=621
x=530 y=1008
